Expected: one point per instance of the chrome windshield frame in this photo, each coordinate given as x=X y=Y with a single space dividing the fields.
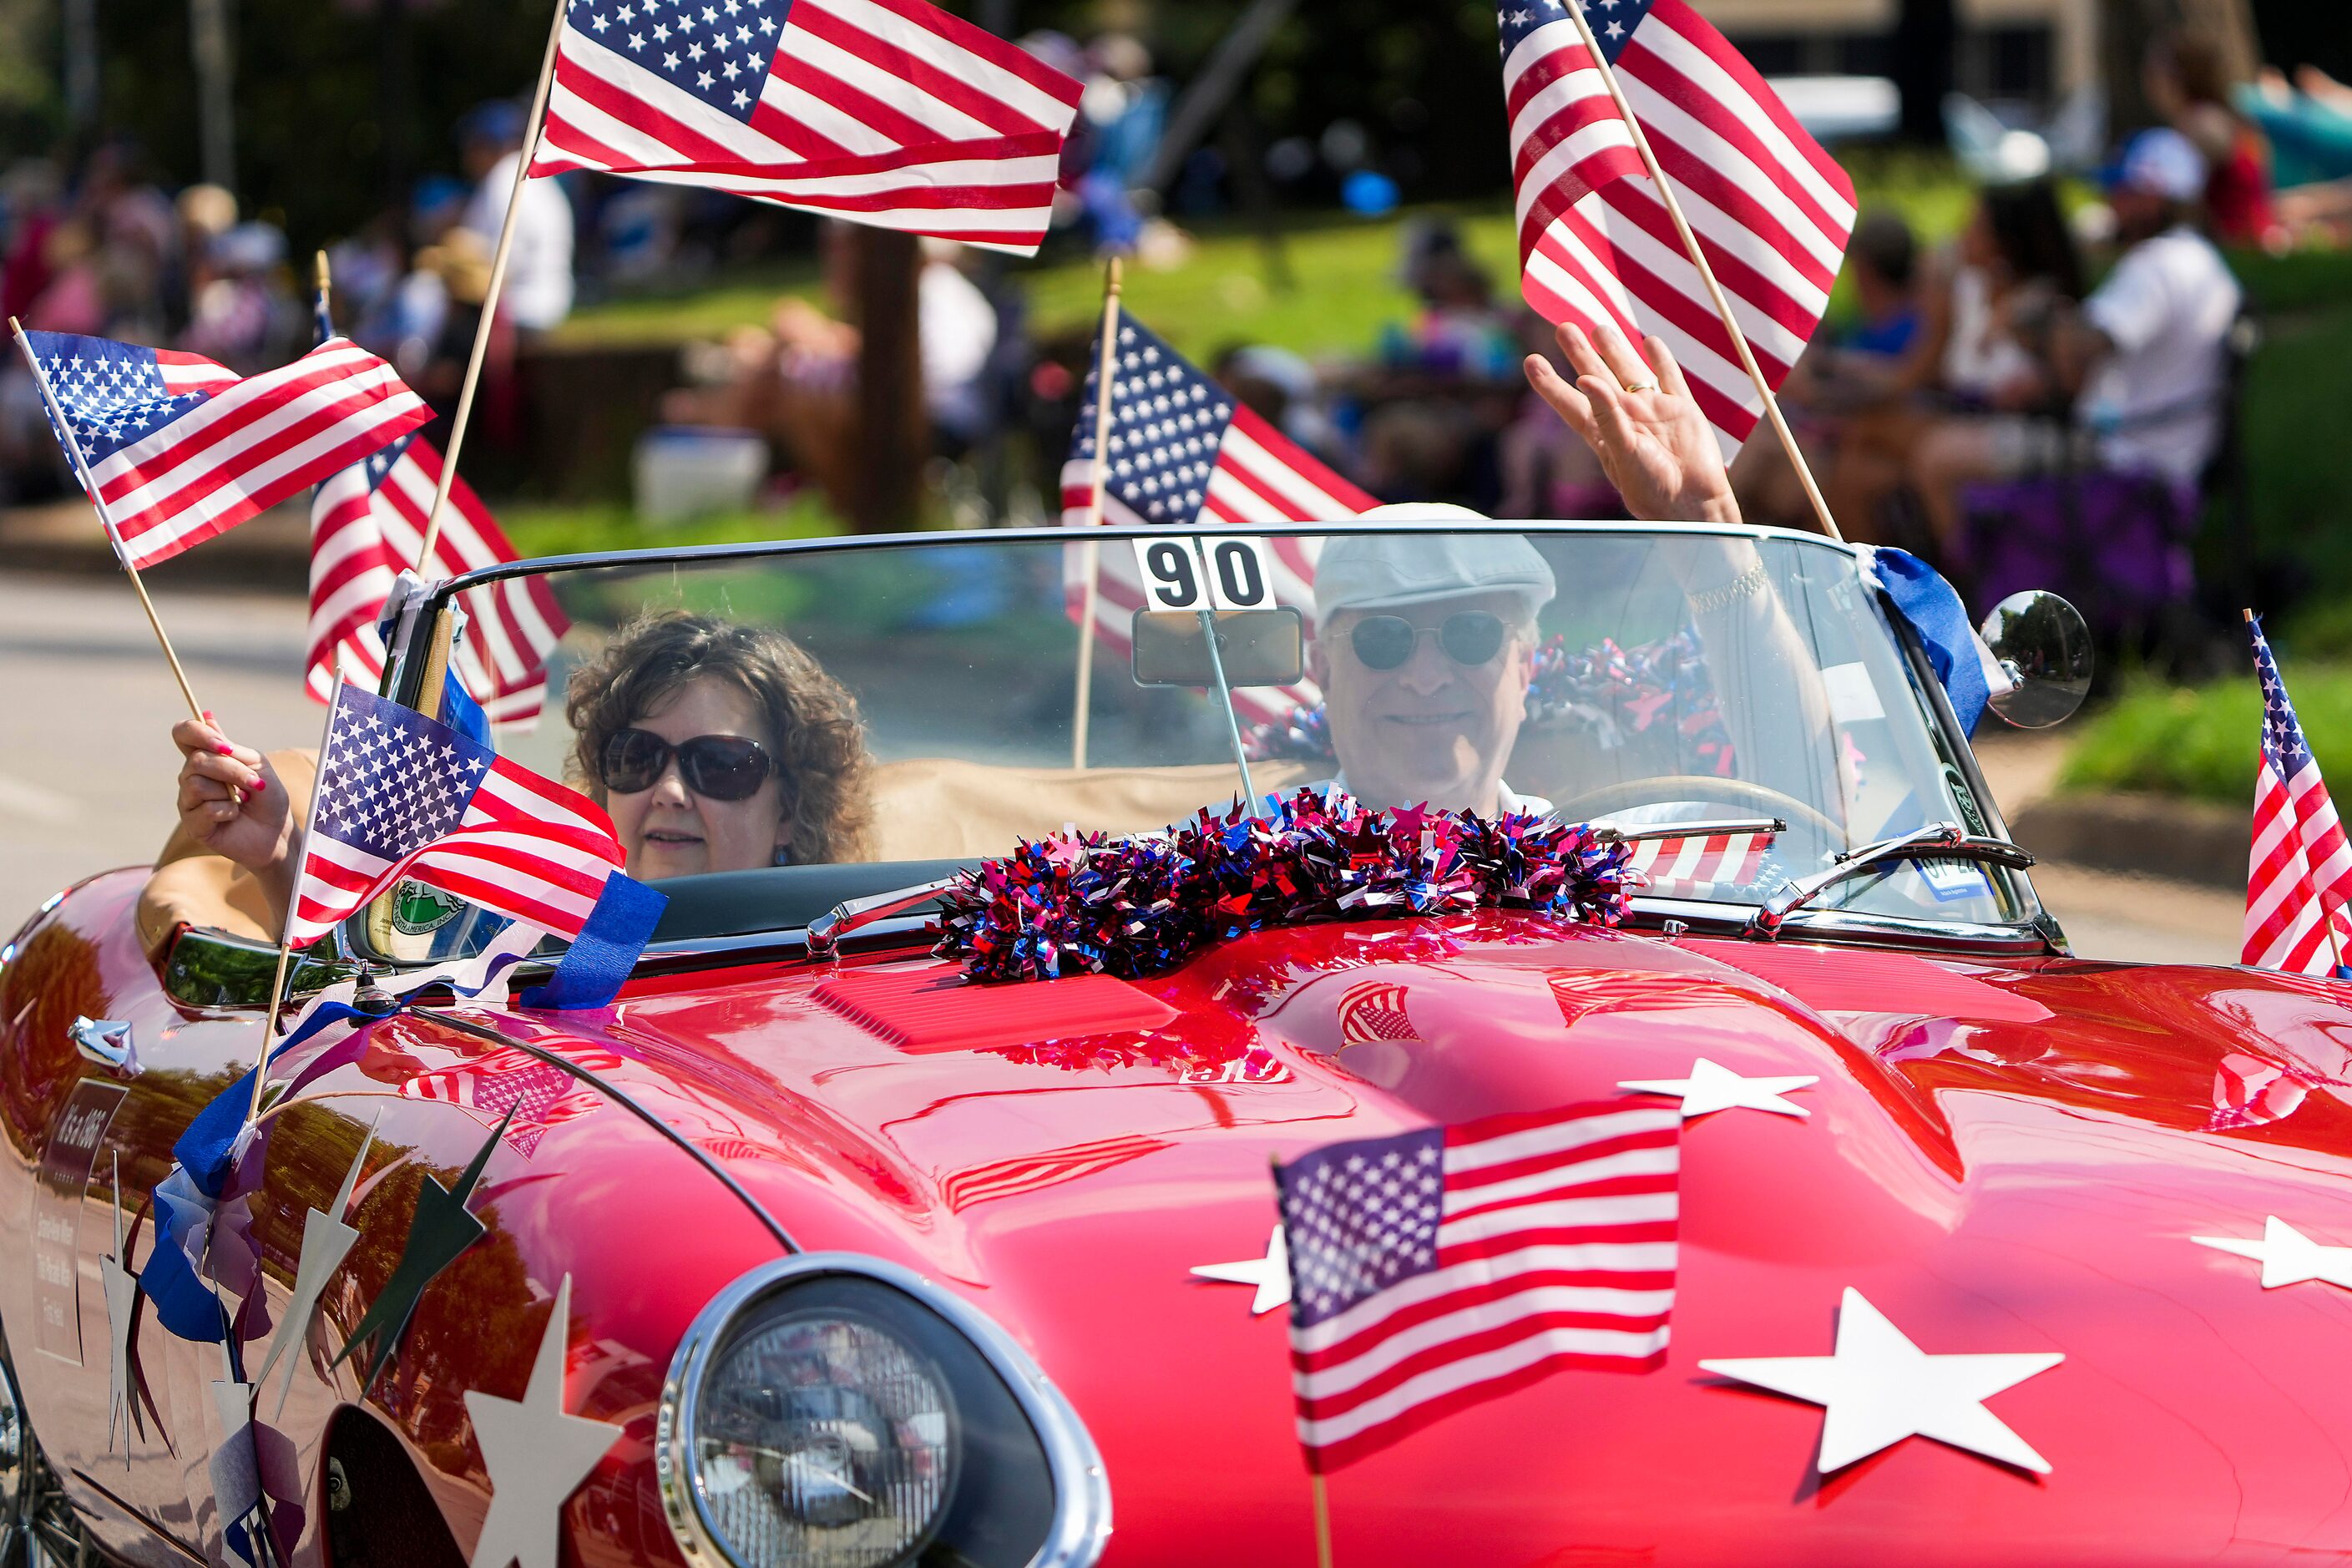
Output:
x=2035 y=928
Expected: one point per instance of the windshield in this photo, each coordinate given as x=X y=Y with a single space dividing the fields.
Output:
x=905 y=705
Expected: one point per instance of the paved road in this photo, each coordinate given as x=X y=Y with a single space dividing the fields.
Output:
x=86 y=762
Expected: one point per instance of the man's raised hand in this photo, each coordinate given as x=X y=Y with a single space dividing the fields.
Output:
x=1641 y=421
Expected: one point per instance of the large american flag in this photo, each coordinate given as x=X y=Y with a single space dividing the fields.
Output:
x=401 y=796
x=1772 y=210
x=367 y=524
x=889 y=112
x=1437 y=1268
x=181 y=449
x=1185 y=452
x=2299 y=877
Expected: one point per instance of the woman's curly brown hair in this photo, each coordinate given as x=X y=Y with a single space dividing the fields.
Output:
x=813 y=730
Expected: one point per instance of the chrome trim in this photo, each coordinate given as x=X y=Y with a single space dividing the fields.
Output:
x=2024 y=940
x=1081 y=1527
x=824 y=933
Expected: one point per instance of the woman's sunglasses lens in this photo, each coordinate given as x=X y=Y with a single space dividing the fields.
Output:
x=723 y=768
x=633 y=760
x=1383 y=642
x=1472 y=637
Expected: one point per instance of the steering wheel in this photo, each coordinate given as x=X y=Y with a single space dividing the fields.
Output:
x=1693 y=787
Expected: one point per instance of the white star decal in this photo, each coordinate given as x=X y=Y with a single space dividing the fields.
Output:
x=2287 y=1255
x=1270 y=1274
x=1878 y=1388
x=1711 y=1087
x=537 y=1456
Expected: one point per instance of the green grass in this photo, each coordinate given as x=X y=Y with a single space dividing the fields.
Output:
x=2199 y=742
x=539 y=530
x=1327 y=285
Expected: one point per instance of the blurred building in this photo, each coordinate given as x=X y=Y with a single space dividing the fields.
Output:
x=2029 y=53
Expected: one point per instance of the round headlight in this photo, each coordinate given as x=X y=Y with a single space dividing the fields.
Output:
x=824 y=1438
x=831 y=1410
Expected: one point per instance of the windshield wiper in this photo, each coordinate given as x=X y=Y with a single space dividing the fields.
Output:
x=1937 y=841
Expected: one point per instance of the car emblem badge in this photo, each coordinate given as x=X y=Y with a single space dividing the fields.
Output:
x=417 y=909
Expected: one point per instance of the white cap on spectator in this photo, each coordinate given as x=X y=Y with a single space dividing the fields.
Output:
x=1386 y=571
x=2160 y=163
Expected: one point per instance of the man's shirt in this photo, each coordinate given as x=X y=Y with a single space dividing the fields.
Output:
x=2154 y=404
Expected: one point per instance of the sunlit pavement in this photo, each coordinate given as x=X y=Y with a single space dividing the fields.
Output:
x=87 y=764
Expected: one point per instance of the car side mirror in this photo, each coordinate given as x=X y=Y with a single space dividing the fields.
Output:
x=1259 y=647
x=2042 y=643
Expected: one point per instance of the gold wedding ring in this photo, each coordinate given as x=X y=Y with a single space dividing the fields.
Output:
x=1640 y=386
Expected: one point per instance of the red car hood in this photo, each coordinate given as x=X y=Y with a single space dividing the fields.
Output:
x=2001 y=1158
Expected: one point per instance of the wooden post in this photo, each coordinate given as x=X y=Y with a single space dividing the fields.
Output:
x=893 y=443
x=490 y=300
x=105 y=518
x=1705 y=273
x=1106 y=369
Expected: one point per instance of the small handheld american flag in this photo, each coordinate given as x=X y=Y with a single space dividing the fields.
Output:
x=1695 y=867
x=889 y=113
x=1434 y=1269
x=2299 y=876
x=177 y=448
x=1772 y=210
x=367 y=524
x=401 y=796
x=1184 y=451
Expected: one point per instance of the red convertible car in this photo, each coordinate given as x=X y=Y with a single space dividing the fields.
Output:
x=816 y=1248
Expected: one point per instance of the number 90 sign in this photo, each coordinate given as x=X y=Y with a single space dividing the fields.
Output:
x=1237 y=578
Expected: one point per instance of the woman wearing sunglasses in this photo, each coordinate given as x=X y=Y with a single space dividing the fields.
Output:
x=719 y=748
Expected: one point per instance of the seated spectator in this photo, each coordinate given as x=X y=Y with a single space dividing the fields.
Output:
x=2149 y=353
x=242 y=313
x=1973 y=394
x=2188 y=85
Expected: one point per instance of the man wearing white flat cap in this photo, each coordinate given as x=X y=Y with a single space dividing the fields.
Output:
x=1424 y=648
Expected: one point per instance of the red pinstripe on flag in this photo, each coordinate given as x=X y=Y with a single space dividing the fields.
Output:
x=2299 y=875
x=367 y=524
x=1771 y=209
x=180 y=448
x=1434 y=1269
x=889 y=113
x=400 y=796
x=1184 y=452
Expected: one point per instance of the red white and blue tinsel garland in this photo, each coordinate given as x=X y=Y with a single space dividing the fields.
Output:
x=1078 y=903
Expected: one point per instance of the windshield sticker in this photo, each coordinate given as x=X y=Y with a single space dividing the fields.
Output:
x=58 y=1199
x=1952 y=880
x=418 y=910
x=1853 y=698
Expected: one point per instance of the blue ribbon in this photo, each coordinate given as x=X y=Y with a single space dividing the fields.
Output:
x=1933 y=607
x=606 y=948
x=461 y=713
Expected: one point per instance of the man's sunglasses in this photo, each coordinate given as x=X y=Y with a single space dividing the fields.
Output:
x=1470 y=637
x=716 y=767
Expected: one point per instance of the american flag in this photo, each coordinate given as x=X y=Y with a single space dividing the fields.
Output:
x=1687 y=865
x=541 y=1095
x=889 y=112
x=1772 y=210
x=1185 y=452
x=400 y=796
x=180 y=448
x=1437 y=1268
x=367 y=524
x=2299 y=877
x=1373 y=1010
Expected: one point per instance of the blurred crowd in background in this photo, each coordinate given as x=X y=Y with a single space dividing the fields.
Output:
x=1981 y=401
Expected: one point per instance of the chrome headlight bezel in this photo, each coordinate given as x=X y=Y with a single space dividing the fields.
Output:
x=1081 y=1515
